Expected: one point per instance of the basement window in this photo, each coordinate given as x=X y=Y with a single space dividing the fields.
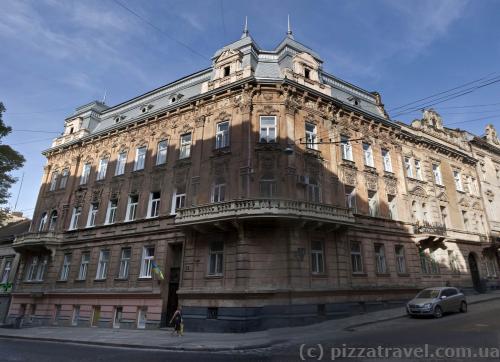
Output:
x=212 y=312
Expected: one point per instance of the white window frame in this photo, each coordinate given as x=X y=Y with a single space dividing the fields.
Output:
x=346 y=148
x=311 y=136
x=53 y=220
x=43 y=222
x=457 y=177
x=84 y=178
x=373 y=204
x=317 y=257
x=131 y=214
x=408 y=167
x=219 y=192
x=386 y=157
x=7 y=267
x=121 y=162
x=154 y=204
x=215 y=259
x=393 y=206
x=124 y=268
x=84 y=265
x=111 y=212
x=103 y=265
x=418 y=170
x=140 y=158
x=222 y=135
x=64 y=274
x=36 y=269
x=186 y=141
x=356 y=258
x=380 y=258
x=147 y=262
x=399 y=252
x=161 y=152
x=103 y=168
x=350 y=198
x=64 y=178
x=178 y=202
x=75 y=218
x=438 y=177
x=368 y=154
x=53 y=181
x=93 y=210
x=268 y=130
x=142 y=317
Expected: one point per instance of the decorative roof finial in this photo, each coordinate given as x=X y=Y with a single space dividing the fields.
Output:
x=289 y=32
x=245 y=30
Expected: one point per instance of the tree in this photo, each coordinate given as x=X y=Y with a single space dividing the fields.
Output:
x=10 y=160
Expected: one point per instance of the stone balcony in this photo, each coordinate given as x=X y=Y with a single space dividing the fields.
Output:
x=263 y=209
x=430 y=229
x=43 y=241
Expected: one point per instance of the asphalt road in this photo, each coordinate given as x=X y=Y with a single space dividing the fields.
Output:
x=472 y=333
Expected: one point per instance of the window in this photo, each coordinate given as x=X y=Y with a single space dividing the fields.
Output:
x=76 y=315
x=185 y=150
x=408 y=167
x=215 y=258
x=178 y=201
x=428 y=263
x=94 y=208
x=368 y=154
x=267 y=129
x=356 y=258
x=373 y=203
x=84 y=265
x=65 y=267
x=53 y=181
x=43 y=222
x=346 y=147
x=399 y=250
x=36 y=269
x=418 y=170
x=227 y=71
x=313 y=190
x=222 y=135
x=148 y=254
x=118 y=317
x=465 y=219
x=317 y=257
x=111 y=212
x=75 y=216
x=154 y=204
x=161 y=152
x=444 y=216
x=85 y=174
x=491 y=267
x=140 y=158
x=386 y=157
x=393 y=207
x=6 y=271
x=124 y=263
x=102 y=266
x=64 y=178
x=103 y=167
x=307 y=73
x=53 y=220
x=350 y=198
x=267 y=187
x=120 y=163
x=380 y=261
x=311 y=136
x=453 y=262
x=219 y=192
x=458 y=181
x=142 y=317
x=436 y=169
x=425 y=217
x=133 y=201
x=473 y=186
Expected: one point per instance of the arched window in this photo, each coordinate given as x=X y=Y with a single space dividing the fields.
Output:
x=43 y=221
x=53 y=220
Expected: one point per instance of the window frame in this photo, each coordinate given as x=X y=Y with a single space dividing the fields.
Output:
x=457 y=177
x=84 y=265
x=175 y=204
x=386 y=160
x=7 y=268
x=111 y=212
x=311 y=136
x=86 y=168
x=317 y=257
x=438 y=176
x=140 y=158
x=65 y=267
x=368 y=155
x=215 y=259
x=222 y=137
x=408 y=167
x=64 y=178
x=346 y=148
x=131 y=213
x=53 y=181
x=358 y=254
x=102 y=169
x=146 y=271
x=400 y=258
x=161 y=152
x=75 y=218
x=218 y=189
x=121 y=162
x=265 y=135
x=103 y=264
x=154 y=204
x=418 y=170
x=185 y=145
x=380 y=258
x=124 y=266
x=92 y=215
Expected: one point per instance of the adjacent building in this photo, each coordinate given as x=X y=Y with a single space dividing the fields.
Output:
x=260 y=192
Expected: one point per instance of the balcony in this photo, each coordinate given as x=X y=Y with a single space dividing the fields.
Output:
x=36 y=242
x=262 y=209
x=430 y=235
x=428 y=228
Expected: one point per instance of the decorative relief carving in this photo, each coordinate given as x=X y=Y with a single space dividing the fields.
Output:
x=418 y=191
x=391 y=185
x=349 y=176
x=96 y=195
x=371 y=181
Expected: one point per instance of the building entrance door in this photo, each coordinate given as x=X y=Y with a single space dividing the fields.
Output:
x=172 y=300
x=474 y=272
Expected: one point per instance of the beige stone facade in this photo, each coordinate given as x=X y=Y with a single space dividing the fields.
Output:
x=267 y=193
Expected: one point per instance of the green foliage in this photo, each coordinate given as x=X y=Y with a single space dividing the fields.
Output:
x=10 y=160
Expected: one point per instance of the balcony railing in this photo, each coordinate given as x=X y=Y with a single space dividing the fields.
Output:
x=263 y=208
x=428 y=228
x=41 y=240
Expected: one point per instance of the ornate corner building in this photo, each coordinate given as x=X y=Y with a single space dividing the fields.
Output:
x=260 y=192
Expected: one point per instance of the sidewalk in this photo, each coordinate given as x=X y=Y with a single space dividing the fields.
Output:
x=162 y=339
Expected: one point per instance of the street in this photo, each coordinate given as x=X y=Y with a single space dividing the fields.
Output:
x=479 y=328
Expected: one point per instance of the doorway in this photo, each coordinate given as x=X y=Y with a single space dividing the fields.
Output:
x=474 y=272
x=96 y=315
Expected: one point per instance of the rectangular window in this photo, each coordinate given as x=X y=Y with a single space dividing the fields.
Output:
x=386 y=156
x=350 y=198
x=428 y=263
x=453 y=262
x=133 y=201
x=267 y=129
x=117 y=317
x=178 y=202
x=418 y=170
x=36 y=269
x=368 y=154
x=408 y=167
x=124 y=263
x=400 y=259
x=142 y=317
x=65 y=267
x=373 y=203
x=111 y=212
x=473 y=186
x=154 y=204
x=103 y=167
x=140 y=158
x=380 y=261
x=458 y=180
x=311 y=136
x=346 y=147
x=121 y=161
x=148 y=254
x=356 y=258
x=317 y=257
x=444 y=215
x=85 y=174
x=313 y=191
x=222 y=135
x=438 y=179
x=491 y=267
x=161 y=152
x=6 y=271
x=267 y=188
x=64 y=178
x=215 y=258
x=84 y=266
x=219 y=193
x=94 y=208
x=53 y=181
x=76 y=315
x=75 y=216
x=393 y=207
x=185 y=150
x=102 y=266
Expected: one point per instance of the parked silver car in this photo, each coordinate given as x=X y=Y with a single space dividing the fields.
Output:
x=436 y=301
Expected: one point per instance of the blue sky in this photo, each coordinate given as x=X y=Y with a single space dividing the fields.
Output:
x=57 y=55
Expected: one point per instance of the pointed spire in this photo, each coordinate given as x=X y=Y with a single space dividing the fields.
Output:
x=245 y=30
x=289 y=31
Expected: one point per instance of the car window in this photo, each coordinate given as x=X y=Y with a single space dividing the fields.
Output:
x=428 y=293
x=452 y=292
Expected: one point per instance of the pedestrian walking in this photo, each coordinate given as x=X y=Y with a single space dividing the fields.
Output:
x=177 y=322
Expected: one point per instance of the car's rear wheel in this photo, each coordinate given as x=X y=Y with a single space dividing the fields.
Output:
x=463 y=307
x=438 y=312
